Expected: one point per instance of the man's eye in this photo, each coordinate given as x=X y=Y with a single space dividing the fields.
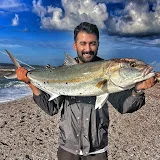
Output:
x=82 y=43
x=133 y=64
x=93 y=43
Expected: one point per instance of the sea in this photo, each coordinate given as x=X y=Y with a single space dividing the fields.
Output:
x=13 y=89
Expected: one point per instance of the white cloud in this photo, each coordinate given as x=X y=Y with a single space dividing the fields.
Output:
x=39 y=9
x=15 y=20
x=13 y=5
x=9 y=46
x=109 y=1
x=136 y=19
x=72 y=14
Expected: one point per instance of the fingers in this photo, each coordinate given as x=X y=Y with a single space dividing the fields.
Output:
x=21 y=71
x=22 y=75
x=146 y=84
x=149 y=82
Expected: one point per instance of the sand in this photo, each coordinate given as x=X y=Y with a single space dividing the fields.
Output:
x=27 y=133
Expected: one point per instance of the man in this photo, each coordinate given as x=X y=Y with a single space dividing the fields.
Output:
x=84 y=130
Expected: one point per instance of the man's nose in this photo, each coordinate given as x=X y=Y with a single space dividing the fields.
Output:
x=88 y=48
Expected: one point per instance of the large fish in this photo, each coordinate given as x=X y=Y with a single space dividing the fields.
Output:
x=89 y=79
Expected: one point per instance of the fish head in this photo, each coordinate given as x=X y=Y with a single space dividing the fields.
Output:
x=126 y=72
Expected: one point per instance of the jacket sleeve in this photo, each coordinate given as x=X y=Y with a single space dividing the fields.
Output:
x=125 y=102
x=50 y=107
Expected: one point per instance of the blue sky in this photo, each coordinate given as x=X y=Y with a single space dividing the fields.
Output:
x=40 y=31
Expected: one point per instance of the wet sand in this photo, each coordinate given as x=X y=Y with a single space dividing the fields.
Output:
x=27 y=133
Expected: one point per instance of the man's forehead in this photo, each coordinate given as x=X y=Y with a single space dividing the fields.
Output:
x=84 y=36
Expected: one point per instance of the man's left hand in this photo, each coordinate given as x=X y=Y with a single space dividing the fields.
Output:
x=145 y=84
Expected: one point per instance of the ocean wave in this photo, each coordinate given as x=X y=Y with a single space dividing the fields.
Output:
x=12 y=90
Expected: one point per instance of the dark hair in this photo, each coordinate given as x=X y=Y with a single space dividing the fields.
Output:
x=86 y=27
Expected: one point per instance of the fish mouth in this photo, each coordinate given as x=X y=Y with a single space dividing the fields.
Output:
x=147 y=76
x=146 y=70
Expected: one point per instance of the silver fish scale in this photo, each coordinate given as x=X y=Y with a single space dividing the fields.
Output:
x=75 y=80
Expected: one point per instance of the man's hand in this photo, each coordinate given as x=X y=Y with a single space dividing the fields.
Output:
x=145 y=84
x=22 y=75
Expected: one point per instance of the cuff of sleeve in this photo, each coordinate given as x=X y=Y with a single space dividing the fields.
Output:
x=135 y=92
x=34 y=95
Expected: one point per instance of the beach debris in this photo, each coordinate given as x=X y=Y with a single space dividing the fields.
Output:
x=3 y=124
x=89 y=79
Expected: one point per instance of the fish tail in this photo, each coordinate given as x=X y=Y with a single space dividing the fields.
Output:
x=17 y=65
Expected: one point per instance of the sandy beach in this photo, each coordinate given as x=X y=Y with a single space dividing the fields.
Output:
x=27 y=133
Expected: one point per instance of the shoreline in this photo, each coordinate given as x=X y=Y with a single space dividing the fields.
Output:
x=26 y=132
x=18 y=99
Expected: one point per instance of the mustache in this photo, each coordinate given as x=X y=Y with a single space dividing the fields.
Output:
x=90 y=52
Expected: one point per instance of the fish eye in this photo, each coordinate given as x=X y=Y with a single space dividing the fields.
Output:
x=133 y=64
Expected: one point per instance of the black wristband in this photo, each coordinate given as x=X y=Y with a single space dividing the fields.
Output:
x=136 y=92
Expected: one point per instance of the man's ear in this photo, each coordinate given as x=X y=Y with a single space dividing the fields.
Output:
x=75 y=46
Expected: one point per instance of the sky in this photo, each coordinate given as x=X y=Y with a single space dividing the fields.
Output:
x=40 y=31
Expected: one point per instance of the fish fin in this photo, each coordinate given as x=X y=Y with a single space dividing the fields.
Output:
x=69 y=61
x=100 y=100
x=48 y=66
x=101 y=84
x=11 y=76
x=53 y=96
x=17 y=65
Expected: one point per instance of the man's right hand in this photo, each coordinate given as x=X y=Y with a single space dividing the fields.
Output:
x=22 y=75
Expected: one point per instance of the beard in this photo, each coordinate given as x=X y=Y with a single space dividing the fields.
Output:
x=87 y=56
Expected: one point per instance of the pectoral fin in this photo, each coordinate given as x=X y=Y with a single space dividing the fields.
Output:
x=53 y=96
x=100 y=100
x=102 y=83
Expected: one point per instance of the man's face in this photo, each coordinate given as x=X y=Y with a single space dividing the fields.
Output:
x=86 y=46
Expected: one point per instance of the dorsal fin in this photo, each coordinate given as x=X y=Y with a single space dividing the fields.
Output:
x=69 y=61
